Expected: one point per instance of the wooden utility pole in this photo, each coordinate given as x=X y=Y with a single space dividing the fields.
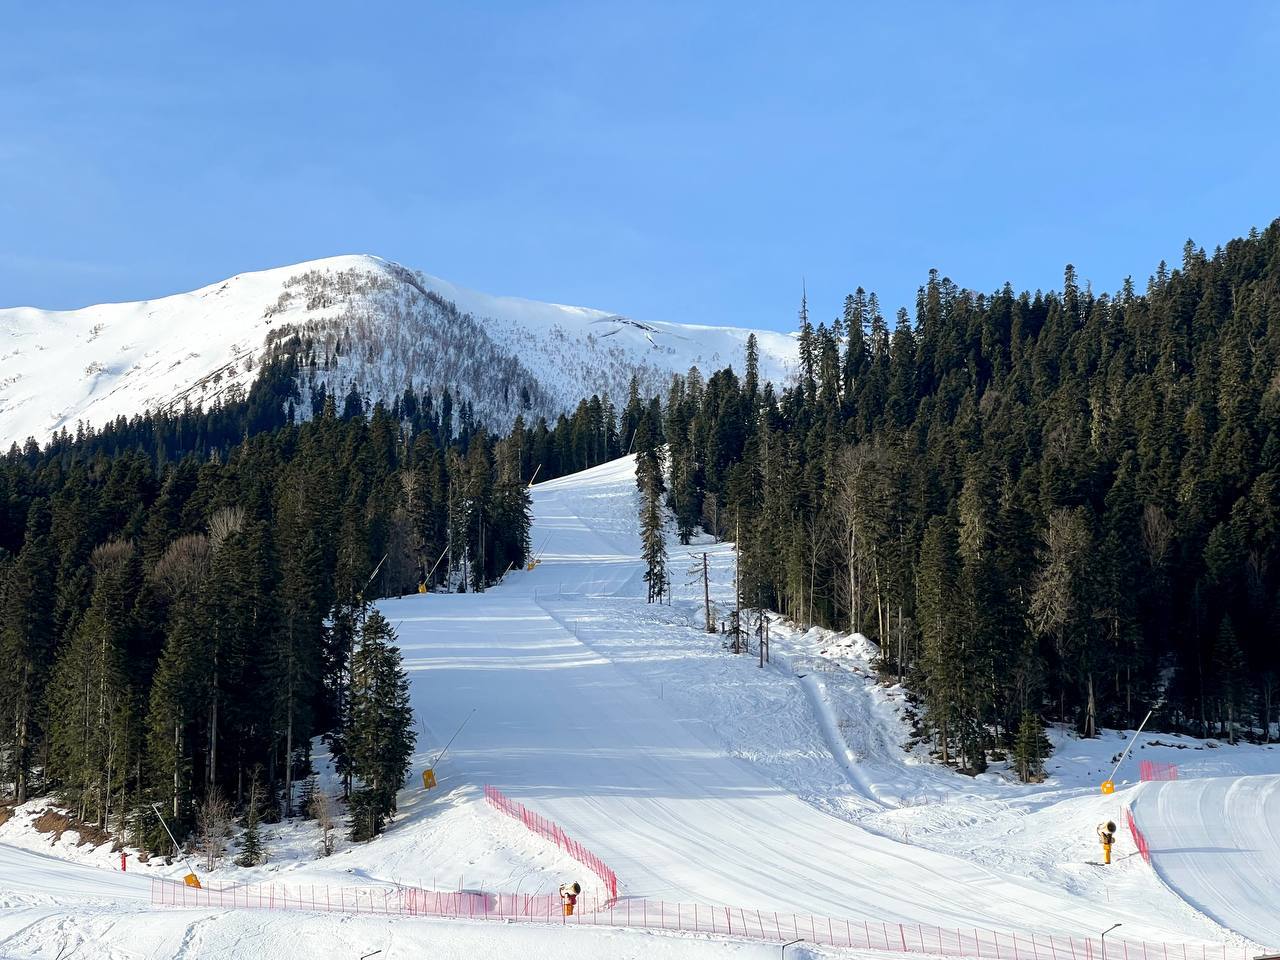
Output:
x=706 y=596
x=737 y=583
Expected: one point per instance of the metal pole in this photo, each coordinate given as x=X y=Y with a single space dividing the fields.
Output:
x=176 y=849
x=453 y=738
x=790 y=943
x=372 y=575
x=1132 y=741
x=436 y=564
x=1109 y=929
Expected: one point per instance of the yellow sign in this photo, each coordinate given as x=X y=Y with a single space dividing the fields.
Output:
x=428 y=779
x=191 y=880
x=1108 y=786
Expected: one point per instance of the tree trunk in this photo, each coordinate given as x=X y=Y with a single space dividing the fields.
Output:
x=288 y=747
x=1091 y=729
x=706 y=596
x=177 y=761
x=20 y=738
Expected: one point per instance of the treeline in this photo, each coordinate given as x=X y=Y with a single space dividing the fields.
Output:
x=172 y=629
x=1059 y=505
x=593 y=434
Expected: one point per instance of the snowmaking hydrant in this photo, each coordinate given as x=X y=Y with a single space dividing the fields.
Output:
x=1107 y=836
x=569 y=896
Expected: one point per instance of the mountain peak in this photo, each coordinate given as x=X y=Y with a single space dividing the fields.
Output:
x=365 y=320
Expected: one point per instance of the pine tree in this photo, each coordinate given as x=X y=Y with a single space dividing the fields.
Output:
x=807 y=348
x=652 y=537
x=943 y=660
x=381 y=738
x=1230 y=667
x=751 y=377
x=91 y=720
x=1062 y=605
x=252 y=850
x=1031 y=747
x=653 y=542
x=26 y=649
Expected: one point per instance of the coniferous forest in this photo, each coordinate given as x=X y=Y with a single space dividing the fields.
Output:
x=1056 y=506
x=181 y=613
x=1059 y=506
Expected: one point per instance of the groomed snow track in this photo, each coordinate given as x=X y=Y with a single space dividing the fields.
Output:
x=1216 y=842
x=566 y=731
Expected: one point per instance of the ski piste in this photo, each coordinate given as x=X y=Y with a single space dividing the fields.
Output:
x=698 y=777
x=570 y=728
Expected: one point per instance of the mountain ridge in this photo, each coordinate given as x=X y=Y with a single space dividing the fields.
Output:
x=368 y=321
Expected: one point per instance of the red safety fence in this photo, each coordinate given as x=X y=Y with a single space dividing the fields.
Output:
x=272 y=896
x=551 y=831
x=1151 y=770
x=1139 y=838
x=737 y=922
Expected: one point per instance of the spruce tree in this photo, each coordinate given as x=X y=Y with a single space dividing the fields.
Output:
x=381 y=738
x=252 y=850
x=1030 y=748
x=943 y=652
x=653 y=546
x=26 y=649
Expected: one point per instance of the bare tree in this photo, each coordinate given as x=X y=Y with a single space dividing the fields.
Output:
x=321 y=809
x=1060 y=599
x=213 y=828
x=224 y=523
x=1157 y=535
x=860 y=511
x=183 y=564
x=711 y=515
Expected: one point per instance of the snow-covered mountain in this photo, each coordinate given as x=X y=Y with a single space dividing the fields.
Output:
x=372 y=322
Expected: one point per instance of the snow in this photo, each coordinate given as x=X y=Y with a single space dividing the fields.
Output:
x=122 y=932
x=699 y=777
x=111 y=360
x=1217 y=843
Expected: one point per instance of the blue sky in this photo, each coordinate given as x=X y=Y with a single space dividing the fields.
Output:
x=685 y=161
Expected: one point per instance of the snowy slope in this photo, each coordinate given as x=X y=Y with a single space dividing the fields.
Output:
x=374 y=322
x=1217 y=843
x=554 y=660
x=697 y=775
x=51 y=910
